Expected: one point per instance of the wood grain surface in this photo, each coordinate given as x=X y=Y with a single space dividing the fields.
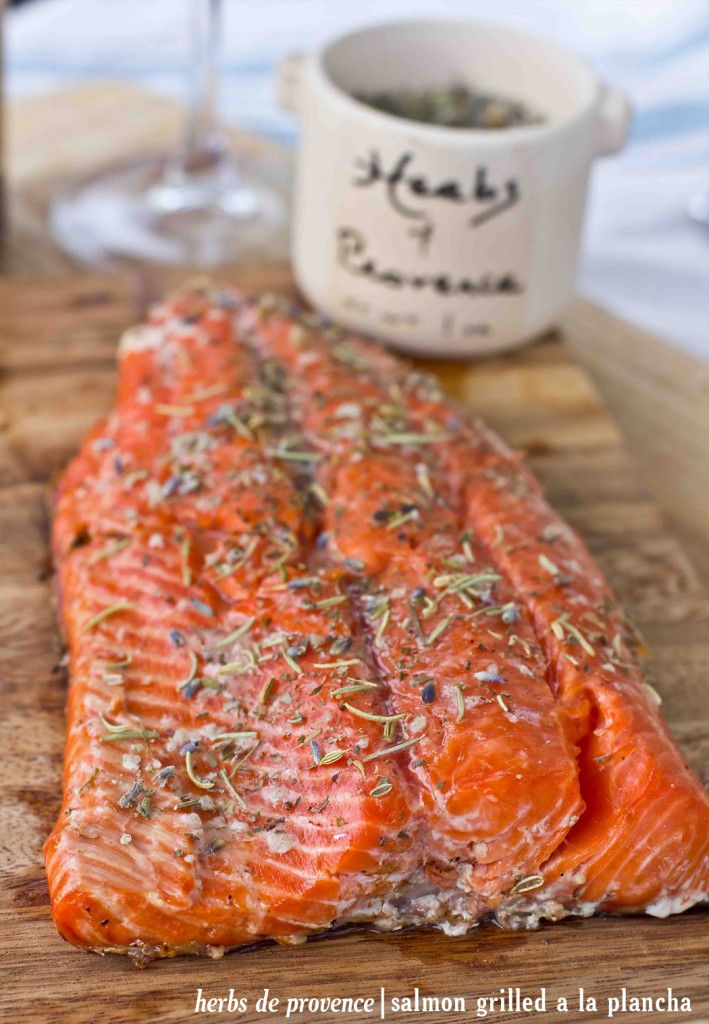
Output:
x=57 y=347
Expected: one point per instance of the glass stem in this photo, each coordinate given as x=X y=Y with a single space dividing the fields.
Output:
x=203 y=146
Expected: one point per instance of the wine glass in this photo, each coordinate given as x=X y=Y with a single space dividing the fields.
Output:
x=199 y=207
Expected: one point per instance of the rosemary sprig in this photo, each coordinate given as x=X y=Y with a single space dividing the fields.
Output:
x=245 y=735
x=227 y=782
x=243 y=629
x=200 y=783
x=400 y=518
x=112 y=549
x=354 y=687
x=371 y=717
x=185 y=548
x=412 y=438
x=130 y=734
x=88 y=782
x=391 y=750
x=226 y=569
x=266 y=691
x=562 y=624
x=329 y=602
x=549 y=566
x=437 y=630
x=383 y=623
x=114 y=609
x=115 y=666
x=290 y=660
x=113 y=728
x=292 y=455
x=320 y=493
x=192 y=672
x=337 y=664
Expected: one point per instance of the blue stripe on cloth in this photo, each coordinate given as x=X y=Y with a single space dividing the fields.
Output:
x=678 y=118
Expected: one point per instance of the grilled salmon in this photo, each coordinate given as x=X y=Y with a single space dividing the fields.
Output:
x=334 y=659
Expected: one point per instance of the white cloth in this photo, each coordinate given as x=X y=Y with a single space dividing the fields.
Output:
x=643 y=256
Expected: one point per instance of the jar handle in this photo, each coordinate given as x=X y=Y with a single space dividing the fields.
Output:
x=289 y=83
x=615 y=114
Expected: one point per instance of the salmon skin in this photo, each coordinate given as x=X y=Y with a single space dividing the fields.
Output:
x=333 y=659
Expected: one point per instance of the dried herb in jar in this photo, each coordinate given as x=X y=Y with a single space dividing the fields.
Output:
x=454 y=106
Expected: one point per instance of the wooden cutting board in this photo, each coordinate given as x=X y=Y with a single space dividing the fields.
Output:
x=57 y=345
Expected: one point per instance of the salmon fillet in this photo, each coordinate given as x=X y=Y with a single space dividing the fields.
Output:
x=333 y=659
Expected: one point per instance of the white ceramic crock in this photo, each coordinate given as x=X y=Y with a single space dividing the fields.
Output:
x=443 y=241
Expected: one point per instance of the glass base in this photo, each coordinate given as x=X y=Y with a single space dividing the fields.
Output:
x=151 y=211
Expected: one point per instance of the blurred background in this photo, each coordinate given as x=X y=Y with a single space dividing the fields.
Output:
x=91 y=83
x=644 y=258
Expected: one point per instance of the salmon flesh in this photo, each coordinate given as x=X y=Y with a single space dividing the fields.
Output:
x=334 y=660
